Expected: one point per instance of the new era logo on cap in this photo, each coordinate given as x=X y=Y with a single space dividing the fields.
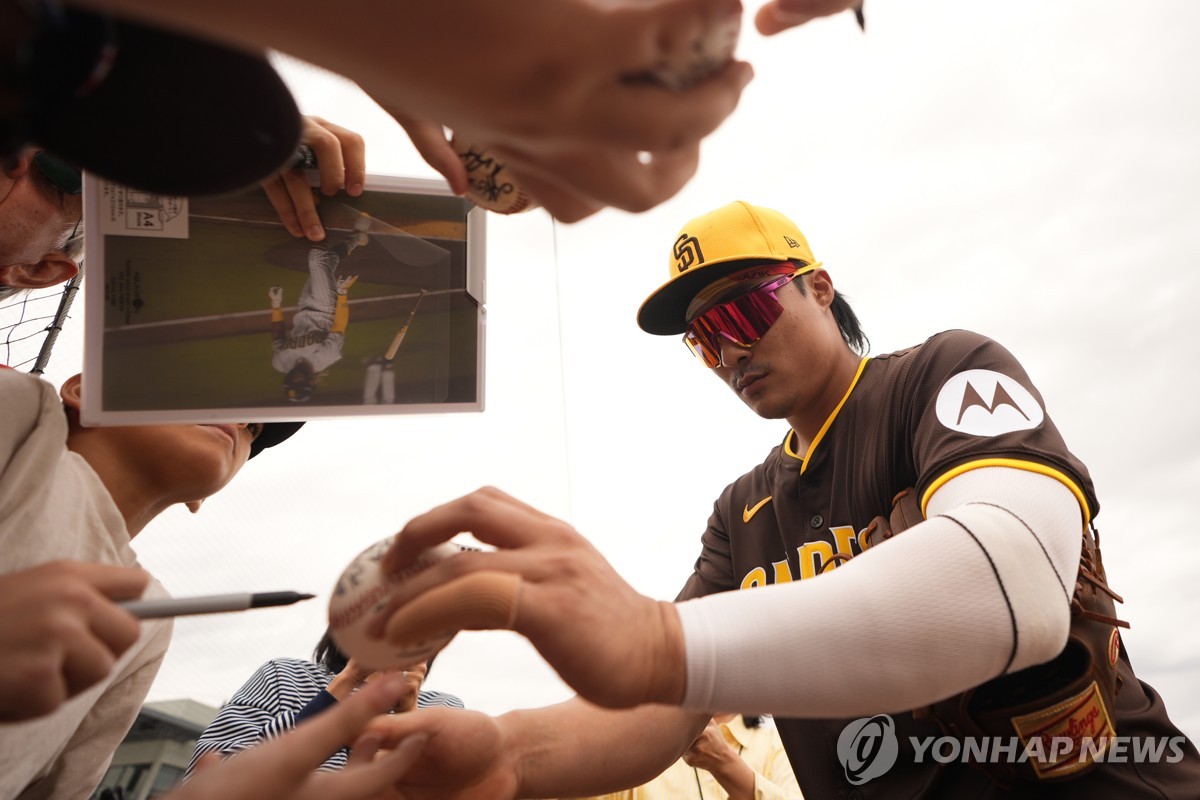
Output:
x=714 y=245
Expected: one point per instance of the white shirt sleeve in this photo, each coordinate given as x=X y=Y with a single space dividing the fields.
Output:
x=980 y=588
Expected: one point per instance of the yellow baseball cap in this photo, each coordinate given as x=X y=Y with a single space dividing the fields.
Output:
x=713 y=246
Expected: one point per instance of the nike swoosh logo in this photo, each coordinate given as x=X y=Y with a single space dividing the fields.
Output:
x=748 y=512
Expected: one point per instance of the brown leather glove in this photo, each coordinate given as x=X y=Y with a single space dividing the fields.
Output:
x=1067 y=703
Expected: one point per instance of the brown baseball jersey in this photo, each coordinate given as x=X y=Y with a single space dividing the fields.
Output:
x=915 y=418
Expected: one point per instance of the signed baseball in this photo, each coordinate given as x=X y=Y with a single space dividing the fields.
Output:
x=364 y=589
x=490 y=184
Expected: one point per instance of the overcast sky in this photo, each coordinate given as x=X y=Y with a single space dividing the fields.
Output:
x=1026 y=170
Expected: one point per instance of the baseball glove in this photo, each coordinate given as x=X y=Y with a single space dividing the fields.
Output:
x=1063 y=710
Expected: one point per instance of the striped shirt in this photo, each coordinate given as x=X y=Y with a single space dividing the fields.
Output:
x=281 y=693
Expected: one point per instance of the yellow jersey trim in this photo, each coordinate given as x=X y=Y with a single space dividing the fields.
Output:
x=787 y=441
x=1014 y=463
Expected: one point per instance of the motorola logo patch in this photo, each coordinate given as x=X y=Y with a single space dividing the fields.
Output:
x=687 y=252
x=980 y=402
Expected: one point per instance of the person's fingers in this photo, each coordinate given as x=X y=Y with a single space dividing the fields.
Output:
x=495 y=517
x=338 y=727
x=281 y=201
x=364 y=750
x=622 y=179
x=488 y=598
x=430 y=140
x=115 y=583
x=85 y=660
x=560 y=203
x=304 y=201
x=113 y=626
x=690 y=37
x=647 y=116
x=37 y=688
x=286 y=763
x=353 y=152
x=781 y=15
x=479 y=601
x=771 y=19
x=390 y=768
x=327 y=147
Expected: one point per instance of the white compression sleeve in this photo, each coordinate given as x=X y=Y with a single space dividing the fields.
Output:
x=980 y=588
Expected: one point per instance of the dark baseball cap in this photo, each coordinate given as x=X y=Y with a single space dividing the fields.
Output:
x=148 y=108
x=272 y=434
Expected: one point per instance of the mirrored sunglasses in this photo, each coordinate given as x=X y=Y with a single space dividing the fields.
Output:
x=742 y=320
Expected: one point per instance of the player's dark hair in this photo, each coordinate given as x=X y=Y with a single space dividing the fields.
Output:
x=327 y=654
x=752 y=722
x=847 y=320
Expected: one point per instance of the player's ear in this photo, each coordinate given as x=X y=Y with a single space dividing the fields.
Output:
x=194 y=505
x=821 y=287
x=72 y=392
x=53 y=268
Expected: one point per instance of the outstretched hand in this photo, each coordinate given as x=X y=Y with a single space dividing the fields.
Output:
x=285 y=768
x=559 y=92
x=341 y=162
x=615 y=647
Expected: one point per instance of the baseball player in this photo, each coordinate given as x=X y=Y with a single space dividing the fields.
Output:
x=319 y=324
x=977 y=621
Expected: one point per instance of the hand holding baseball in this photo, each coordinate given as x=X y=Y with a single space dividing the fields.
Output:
x=275 y=293
x=344 y=283
x=61 y=632
x=588 y=130
x=614 y=646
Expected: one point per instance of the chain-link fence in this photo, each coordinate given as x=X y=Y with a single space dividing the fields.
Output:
x=30 y=322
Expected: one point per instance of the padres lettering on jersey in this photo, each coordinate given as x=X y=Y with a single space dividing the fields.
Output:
x=305 y=340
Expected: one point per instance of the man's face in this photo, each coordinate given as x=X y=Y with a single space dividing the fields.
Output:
x=786 y=371
x=34 y=215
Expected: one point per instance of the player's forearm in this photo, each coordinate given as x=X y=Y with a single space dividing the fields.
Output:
x=952 y=602
x=576 y=749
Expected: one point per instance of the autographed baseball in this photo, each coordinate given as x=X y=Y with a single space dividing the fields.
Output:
x=490 y=184
x=364 y=589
